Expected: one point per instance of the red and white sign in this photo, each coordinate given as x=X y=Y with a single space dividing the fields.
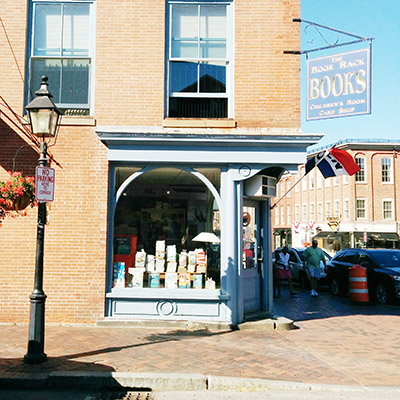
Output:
x=44 y=179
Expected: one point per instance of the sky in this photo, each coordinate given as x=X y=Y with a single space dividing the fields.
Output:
x=379 y=19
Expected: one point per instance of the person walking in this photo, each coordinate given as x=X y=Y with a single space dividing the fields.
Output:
x=313 y=256
x=282 y=270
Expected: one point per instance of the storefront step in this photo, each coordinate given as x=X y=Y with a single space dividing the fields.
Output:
x=165 y=324
x=263 y=325
x=268 y=324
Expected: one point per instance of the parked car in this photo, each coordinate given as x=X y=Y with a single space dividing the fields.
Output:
x=298 y=272
x=383 y=272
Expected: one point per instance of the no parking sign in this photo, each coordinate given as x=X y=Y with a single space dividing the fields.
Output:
x=44 y=179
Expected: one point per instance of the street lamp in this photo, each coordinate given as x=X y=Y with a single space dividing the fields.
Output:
x=43 y=118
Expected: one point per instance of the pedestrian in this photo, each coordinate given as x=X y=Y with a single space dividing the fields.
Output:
x=312 y=258
x=282 y=270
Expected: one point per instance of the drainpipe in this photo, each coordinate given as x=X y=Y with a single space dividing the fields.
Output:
x=355 y=197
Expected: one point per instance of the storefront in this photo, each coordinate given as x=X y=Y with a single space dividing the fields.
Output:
x=189 y=226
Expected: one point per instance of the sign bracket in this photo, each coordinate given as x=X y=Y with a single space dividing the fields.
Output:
x=359 y=39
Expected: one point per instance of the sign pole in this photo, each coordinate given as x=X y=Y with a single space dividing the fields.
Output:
x=36 y=354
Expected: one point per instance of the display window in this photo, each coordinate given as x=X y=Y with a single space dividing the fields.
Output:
x=167 y=229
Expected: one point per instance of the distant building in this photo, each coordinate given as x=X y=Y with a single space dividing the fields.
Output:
x=362 y=210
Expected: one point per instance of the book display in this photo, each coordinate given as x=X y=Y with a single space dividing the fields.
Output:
x=169 y=252
x=166 y=269
x=119 y=274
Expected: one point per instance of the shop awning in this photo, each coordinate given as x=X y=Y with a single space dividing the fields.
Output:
x=330 y=235
x=379 y=235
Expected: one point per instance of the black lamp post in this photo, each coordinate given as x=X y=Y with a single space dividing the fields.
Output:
x=43 y=118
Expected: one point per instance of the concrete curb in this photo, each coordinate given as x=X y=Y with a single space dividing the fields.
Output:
x=166 y=382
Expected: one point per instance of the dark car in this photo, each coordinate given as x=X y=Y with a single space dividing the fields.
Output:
x=297 y=270
x=383 y=272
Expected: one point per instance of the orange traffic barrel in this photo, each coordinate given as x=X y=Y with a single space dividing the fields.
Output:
x=358 y=284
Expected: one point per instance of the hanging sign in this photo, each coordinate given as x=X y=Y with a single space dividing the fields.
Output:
x=44 y=181
x=339 y=85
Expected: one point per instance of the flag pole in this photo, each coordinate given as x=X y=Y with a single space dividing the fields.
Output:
x=273 y=206
x=325 y=153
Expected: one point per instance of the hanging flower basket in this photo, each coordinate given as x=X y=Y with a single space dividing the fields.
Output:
x=17 y=193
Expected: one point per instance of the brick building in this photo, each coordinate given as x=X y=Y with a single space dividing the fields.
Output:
x=178 y=118
x=360 y=210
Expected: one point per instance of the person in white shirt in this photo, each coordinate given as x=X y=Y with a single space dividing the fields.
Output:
x=282 y=270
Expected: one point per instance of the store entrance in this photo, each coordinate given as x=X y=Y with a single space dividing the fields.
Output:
x=251 y=257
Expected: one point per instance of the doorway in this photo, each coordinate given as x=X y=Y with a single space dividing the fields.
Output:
x=251 y=257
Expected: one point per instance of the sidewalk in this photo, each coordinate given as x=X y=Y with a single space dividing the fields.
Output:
x=333 y=343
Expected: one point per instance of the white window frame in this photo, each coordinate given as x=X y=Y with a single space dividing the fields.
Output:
x=319 y=211
x=386 y=170
x=336 y=208
x=229 y=94
x=327 y=209
x=345 y=179
x=346 y=209
x=328 y=182
x=297 y=212
x=312 y=211
x=312 y=181
x=361 y=209
x=319 y=179
x=283 y=215
x=288 y=214
x=304 y=214
x=29 y=91
x=391 y=202
x=363 y=171
x=304 y=181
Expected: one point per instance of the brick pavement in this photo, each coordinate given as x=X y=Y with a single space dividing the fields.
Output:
x=335 y=342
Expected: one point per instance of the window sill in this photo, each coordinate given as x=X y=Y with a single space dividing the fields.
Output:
x=66 y=120
x=199 y=123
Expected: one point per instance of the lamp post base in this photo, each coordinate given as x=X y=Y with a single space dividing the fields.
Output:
x=36 y=354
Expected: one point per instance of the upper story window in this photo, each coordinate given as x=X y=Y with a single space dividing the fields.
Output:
x=199 y=60
x=311 y=179
x=346 y=211
x=361 y=208
x=61 y=46
x=319 y=179
x=297 y=212
x=387 y=208
x=289 y=214
x=319 y=211
x=304 y=217
x=327 y=209
x=312 y=211
x=387 y=173
x=360 y=175
x=304 y=181
x=336 y=209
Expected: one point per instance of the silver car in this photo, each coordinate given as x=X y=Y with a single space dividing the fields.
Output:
x=299 y=273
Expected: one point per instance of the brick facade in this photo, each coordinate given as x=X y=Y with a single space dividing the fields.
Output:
x=129 y=91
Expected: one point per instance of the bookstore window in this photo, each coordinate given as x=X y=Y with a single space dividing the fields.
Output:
x=166 y=230
x=61 y=47
x=198 y=67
